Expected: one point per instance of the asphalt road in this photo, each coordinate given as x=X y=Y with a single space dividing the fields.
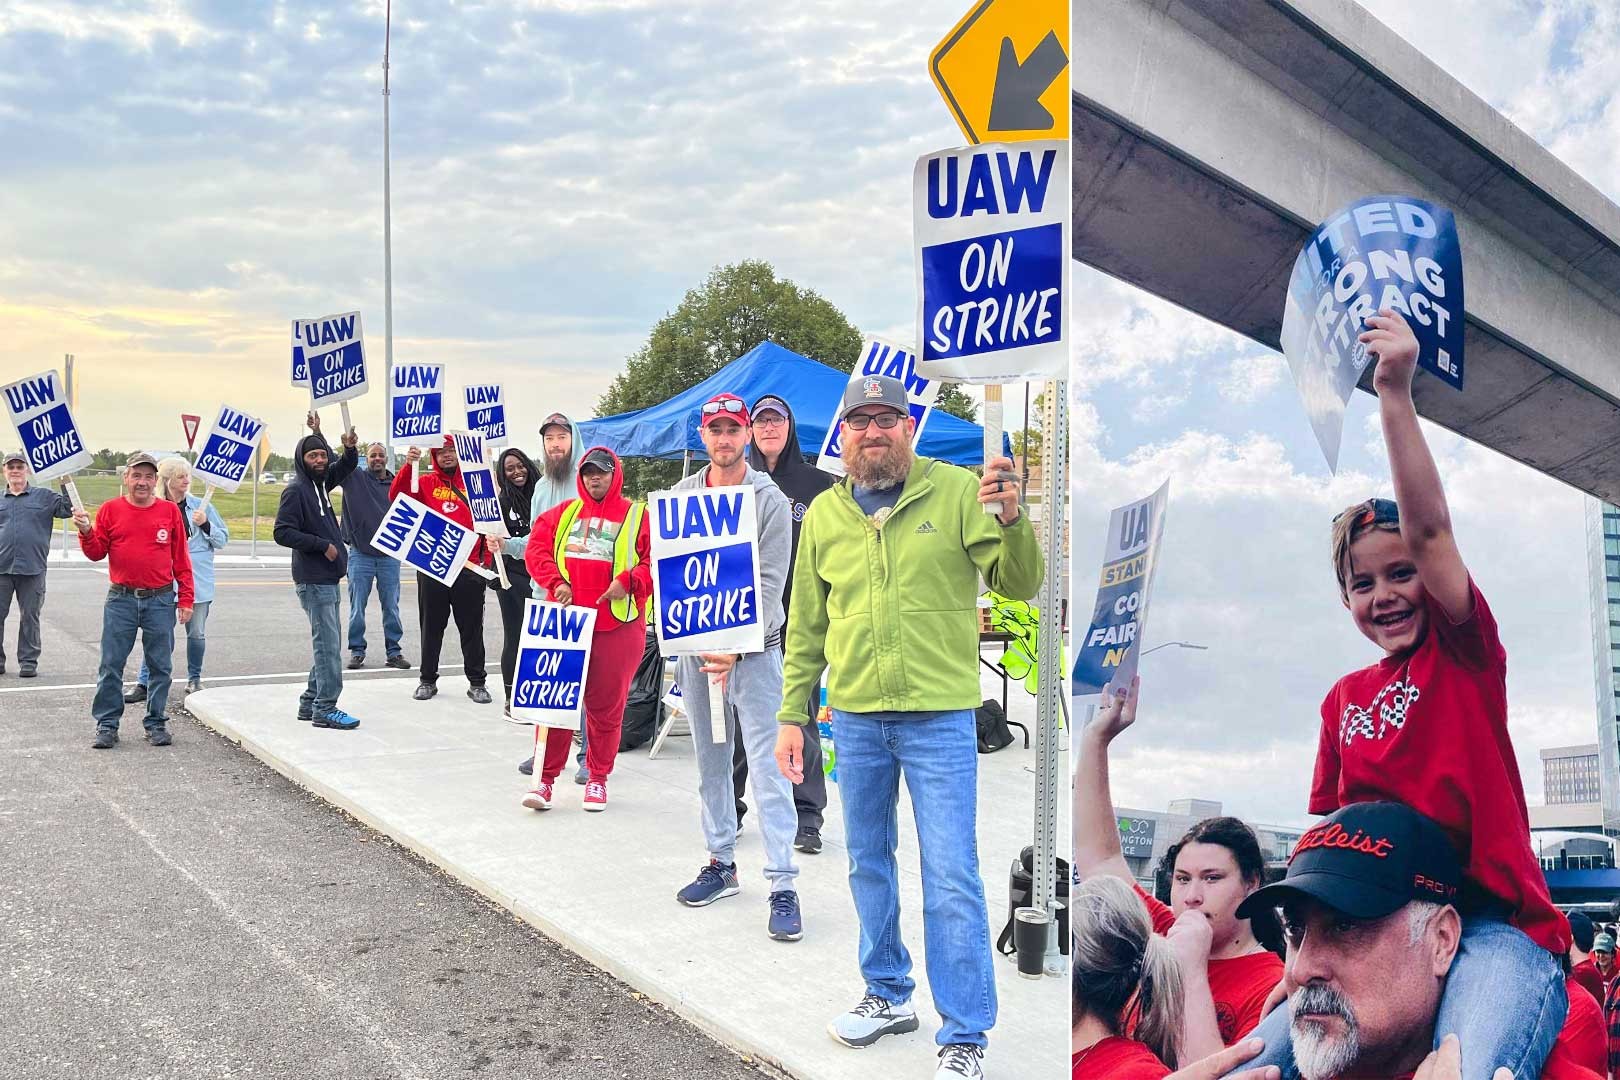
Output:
x=187 y=912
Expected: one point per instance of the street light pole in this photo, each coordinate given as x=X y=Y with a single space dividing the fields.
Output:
x=1177 y=644
x=388 y=234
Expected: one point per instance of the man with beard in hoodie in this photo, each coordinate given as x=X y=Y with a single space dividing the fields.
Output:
x=441 y=488
x=306 y=523
x=593 y=551
x=516 y=477
x=752 y=691
x=560 y=452
x=775 y=450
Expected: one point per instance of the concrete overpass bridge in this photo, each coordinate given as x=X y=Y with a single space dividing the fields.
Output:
x=1211 y=136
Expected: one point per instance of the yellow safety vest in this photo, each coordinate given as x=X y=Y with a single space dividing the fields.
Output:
x=624 y=552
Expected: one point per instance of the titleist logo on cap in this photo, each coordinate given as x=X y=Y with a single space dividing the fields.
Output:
x=1334 y=836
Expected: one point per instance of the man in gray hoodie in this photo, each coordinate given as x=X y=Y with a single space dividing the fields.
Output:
x=753 y=691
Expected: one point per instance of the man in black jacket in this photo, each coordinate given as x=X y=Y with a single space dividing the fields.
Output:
x=365 y=501
x=775 y=450
x=306 y=523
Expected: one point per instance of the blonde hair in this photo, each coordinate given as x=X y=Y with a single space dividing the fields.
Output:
x=168 y=469
x=1124 y=973
x=1351 y=525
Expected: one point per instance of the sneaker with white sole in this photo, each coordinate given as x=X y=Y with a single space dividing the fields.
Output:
x=539 y=798
x=872 y=1019
x=596 y=796
x=960 y=1061
x=715 y=881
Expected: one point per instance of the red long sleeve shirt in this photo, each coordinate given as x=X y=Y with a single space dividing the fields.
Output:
x=145 y=546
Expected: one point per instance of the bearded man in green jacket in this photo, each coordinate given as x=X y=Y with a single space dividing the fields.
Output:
x=885 y=590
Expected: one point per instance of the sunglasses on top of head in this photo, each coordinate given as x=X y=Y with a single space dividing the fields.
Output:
x=714 y=408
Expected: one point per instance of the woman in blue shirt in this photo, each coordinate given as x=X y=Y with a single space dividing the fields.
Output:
x=206 y=533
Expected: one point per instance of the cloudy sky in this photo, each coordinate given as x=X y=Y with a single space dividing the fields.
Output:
x=1245 y=570
x=184 y=177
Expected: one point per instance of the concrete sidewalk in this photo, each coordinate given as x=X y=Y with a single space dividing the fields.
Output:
x=440 y=778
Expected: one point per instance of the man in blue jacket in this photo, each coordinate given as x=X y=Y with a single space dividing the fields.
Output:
x=27 y=515
x=306 y=523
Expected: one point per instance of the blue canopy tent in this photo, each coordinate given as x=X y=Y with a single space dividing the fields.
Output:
x=811 y=389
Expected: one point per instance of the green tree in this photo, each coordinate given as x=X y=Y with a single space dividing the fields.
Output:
x=736 y=308
x=954 y=400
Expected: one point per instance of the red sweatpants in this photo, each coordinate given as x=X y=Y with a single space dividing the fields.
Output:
x=616 y=649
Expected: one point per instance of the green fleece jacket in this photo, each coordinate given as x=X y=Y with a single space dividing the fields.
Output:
x=891 y=613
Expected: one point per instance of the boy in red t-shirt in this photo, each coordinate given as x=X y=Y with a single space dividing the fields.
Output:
x=1427 y=726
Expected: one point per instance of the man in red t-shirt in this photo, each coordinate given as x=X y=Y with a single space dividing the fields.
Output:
x=143 y=539
x=1582 y=967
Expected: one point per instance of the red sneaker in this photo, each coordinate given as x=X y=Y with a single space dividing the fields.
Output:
x=596 y=796
x=539 y=798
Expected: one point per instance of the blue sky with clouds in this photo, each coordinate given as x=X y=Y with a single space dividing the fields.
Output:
x=193 y=174
x=1159 y=392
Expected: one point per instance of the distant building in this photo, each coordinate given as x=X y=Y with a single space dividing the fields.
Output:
x=1603 y=574
x=1572 y=779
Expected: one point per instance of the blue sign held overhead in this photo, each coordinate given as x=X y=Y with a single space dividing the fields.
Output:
x=416 y=405
x=334 y=349
x=991 y=231
x=1387 y=251
x=1106 y=656
x=486 y=410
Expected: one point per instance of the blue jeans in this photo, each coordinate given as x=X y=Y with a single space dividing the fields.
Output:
x=121 y=617
x=320 y=603
x=1504 y=1000
x=937 y=753
x=364 y=570
x=196 y=643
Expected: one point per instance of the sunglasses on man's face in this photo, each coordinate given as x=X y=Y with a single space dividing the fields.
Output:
x=860 y=421
x=714 y=408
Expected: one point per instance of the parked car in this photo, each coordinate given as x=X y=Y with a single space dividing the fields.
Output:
x=269 y=478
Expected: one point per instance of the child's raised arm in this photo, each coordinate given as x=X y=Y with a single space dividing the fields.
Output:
x=1425 y=519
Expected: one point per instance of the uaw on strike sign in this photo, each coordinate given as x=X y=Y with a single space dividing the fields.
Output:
x=554 y=657
x=39 y=411
x=334 y=350
x=991 y=228
x=705 y=563
x=228 y=450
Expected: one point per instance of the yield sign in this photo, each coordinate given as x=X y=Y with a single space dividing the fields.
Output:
x=189 y=423
x=1002 y=70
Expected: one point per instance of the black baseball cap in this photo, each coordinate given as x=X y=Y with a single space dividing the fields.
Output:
x=556 y=419
x=597 y=459
x=874 y=390
x=15 y=455
x=1367 y=860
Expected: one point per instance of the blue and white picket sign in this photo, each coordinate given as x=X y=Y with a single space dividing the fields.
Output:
x=486 y=411
x=483 y=497
x=1107 y=655
x=991 y=228
x=880 y=357
x=424 y=539
x=39 y=410
x=705 y=564
x=416 y=405
x=227 y=452
x=300 y=366
x=334 y=347
x=553 y=661
x=1387 y=251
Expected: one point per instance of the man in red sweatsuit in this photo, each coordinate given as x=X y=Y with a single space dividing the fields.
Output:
x=594 y=552
x=441 y=488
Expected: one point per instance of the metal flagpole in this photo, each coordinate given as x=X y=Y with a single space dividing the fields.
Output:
x=388 y=238
x=1049 y=653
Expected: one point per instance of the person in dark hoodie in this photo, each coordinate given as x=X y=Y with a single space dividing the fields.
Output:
x=441 y=488
x=306 y=523
x=517 y=477
x=775 y=450
x=594 y=551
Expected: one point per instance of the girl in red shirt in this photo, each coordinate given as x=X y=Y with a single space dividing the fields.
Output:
x=1124 y=979
x=1227 y=972
x=1427 y=726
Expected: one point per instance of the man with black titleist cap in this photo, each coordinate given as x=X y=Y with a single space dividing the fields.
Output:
x=1369 y=914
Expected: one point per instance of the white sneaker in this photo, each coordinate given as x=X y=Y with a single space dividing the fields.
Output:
x=539 y=798
x=872 y=1019
x=960 y=1061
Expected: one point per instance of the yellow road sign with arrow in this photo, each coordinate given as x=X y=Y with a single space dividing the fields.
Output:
x=1003 y=70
